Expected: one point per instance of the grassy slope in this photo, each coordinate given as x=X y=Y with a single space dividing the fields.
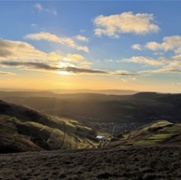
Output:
x=160 y=132
x=11 y=140
x=23 y=129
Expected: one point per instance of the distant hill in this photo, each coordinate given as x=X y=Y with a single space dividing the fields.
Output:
x=24 y=129
x=57 y=92
x=87 y=107
x=4 y=94
x=147 y=95
x=107 y=91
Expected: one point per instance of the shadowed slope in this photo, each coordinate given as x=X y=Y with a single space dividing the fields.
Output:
x=23 y=129
x=141 y=107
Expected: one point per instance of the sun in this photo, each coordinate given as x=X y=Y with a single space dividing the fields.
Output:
x=63 y=73
x=63 y=65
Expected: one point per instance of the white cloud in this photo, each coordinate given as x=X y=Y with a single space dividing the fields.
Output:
x=136 y=47
x=22 y=55
x=166 y=70
x=17 y=50
x=177 y=57
x=145 y=60
x=153 y=46
x=22 y=51
x=126 y=22
x=41 y=8
x=54 y=38
x=166 y=65
x=82 y=38
x=83 y=48
x=51 y=37
x=74 y=57
x=38 y=6
x=172 y=43
x=19 y=54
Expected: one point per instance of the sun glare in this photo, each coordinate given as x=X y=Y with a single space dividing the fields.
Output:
x=63 y=73
x=63 y=65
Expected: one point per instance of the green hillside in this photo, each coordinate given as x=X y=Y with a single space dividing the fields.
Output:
x=159 y=132
x=24 y=129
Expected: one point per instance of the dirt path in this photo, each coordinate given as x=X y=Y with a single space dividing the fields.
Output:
x=120 y=163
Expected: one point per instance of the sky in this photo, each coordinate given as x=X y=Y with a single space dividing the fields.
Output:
x=133 y=45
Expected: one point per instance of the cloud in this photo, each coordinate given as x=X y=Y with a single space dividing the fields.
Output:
x=177 y=57
x=54 y=38
x=6 y=73
x=126 y=22
x=169 y=70
x=38 y=6
x=84 y=70
x=136 y=47
x=29 y=65
x=127 y=73
x=166 y=65
x=47 y=67
x=23 y=55
x=82 y=48
x=172 y=43
x=17 y=50
x=145 y=60
x=24 y=52
x=71 y=69
x=165 y=70
x=74 y=57
x=51 y=37
x=41 y=8
x=82 y=38
x=153 y=46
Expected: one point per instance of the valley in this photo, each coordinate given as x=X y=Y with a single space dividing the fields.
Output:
x=137 y=136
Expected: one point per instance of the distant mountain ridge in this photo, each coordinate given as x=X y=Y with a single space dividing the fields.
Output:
x=106 y=91
x=91 y=107
x=54 y=92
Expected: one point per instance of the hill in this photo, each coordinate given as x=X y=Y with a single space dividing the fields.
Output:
x=106 y=91
x=140 y=107
x=104 y=112
x=159 y=132
x=24 y=129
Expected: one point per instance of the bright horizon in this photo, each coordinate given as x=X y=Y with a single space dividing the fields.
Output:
x=92 y=45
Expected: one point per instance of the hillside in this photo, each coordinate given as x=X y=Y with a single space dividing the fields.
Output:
x=101 y=108
x=24 y=129
x=159 y=132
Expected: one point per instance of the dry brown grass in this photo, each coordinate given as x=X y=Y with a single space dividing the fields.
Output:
x=151 y=162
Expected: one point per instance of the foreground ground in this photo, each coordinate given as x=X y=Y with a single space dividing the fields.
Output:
x=151 y=162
